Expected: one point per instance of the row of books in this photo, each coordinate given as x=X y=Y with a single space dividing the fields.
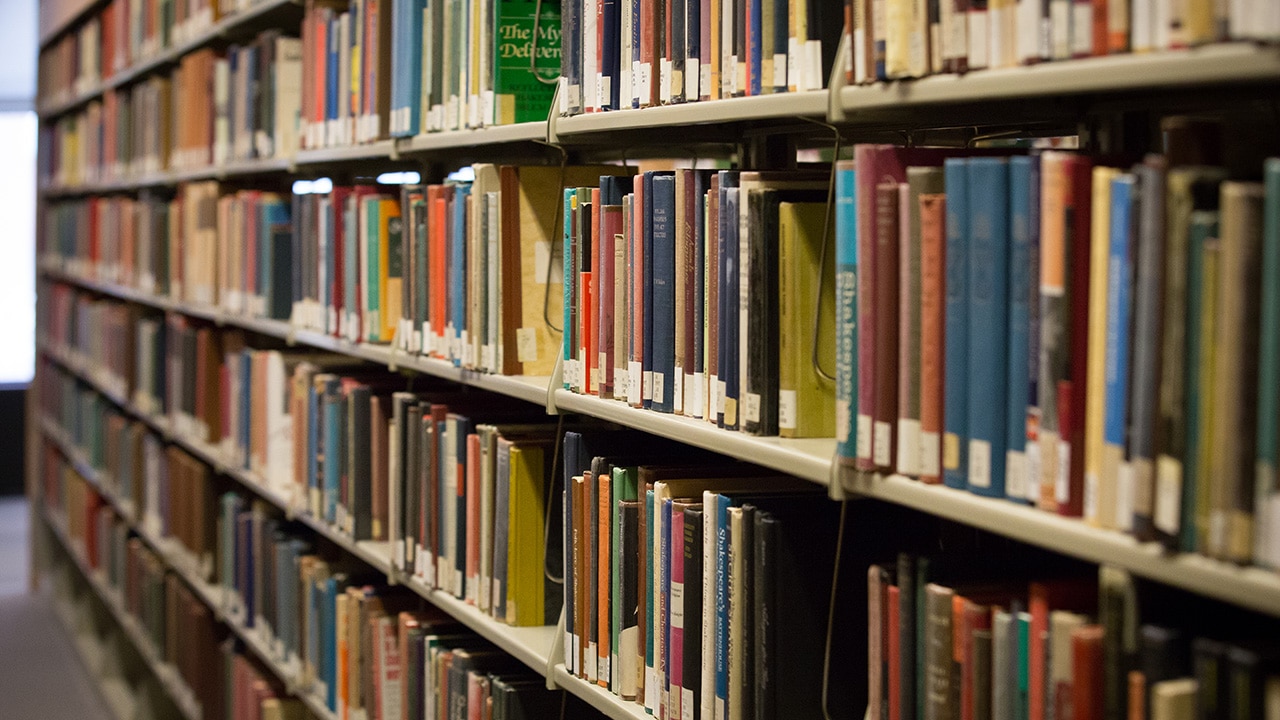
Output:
x=170 y=493
x=694 y=292
x=945 y=641
x=471 y=279
x=1062 y=333
x=373 y=71
x=214 y=107
x=897 y=39
x=640 y=53
x=180 y=628
x=354 y=642
x=122 y=34
x=368 y=650
x=701 y=588
x=454 y=480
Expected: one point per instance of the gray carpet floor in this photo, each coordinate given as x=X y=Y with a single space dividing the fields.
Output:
x=41 y=675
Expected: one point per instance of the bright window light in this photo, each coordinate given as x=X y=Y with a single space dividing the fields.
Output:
x=18 y=246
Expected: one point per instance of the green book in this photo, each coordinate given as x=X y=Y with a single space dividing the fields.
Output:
x=1201 y=311
x=526 y=61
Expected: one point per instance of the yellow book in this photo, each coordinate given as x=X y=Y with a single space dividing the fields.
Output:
x=283 y=709
x=806 y=398
x=390 y=266
x=525 y=552
x=1099 y=501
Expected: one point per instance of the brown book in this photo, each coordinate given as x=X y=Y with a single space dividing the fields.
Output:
x=1236 y=371
x=1086 y=673
x=1073 y=392
x=933 y=249
x=886 y=326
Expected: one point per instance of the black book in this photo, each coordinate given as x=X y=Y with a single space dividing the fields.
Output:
x=629 y=633
x=907 y=634
x=1208 y=660
x=359 y=476
x=1163 y=655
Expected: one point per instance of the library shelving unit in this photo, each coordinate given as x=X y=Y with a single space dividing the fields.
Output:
x=1046 y=96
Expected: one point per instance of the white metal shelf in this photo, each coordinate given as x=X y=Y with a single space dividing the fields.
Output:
x=782 y=106
x=228 y=170
x=1252 y=587
x=1236 y=62
x=528 y=388
x=380 y=150
x=809 y=458
x=455 y=139
x=599 y=698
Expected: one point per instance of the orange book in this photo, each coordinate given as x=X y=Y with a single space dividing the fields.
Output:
x=437 y=239
x=894 y=654
x=603 y=555
x=1137 y=695
x=933 y=251
x=473 y=518
x=1075 y=595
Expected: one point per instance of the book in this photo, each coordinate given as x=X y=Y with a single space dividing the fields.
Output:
x=988 y=312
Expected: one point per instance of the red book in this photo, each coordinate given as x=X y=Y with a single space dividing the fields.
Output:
x=895 y=652
x=884 y=430
x=610 y=228
x=591 y=382
x=1071 y=423
x=933 y=252
x=438 y=197
x=586 y=300
x=1042 y=598
x=975 y=617
x=1087 y=672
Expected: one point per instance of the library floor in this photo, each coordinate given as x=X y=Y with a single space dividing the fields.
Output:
x=41 y=677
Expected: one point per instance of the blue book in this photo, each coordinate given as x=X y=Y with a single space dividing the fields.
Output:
x=846 y=216
x=955 y=418
x=729 y=304
x=664 y=289
x=610 y=50
x=246 y=395
x=1019 y=370
x=245 y=566
x=988 y=323
x=328 y=622
x=313 y=443
x=334 y=421
x=1033 y=328
x=636 y=23
x=458 y=273
x=331 y=80
x=569 y=333
x=755 y=47
x=1119 y=311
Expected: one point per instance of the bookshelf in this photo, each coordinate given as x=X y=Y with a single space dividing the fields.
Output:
x=1049 y=94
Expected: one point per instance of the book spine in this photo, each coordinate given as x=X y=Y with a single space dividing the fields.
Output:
x=1267 y=507
x=988 y=324
x=1149 y=263
x=955 y=437
x=847 y=313
x=932 y=332
x=1019 y=330
x=663 y=293
x=865 y=214
x=1094 y=413
x=1115 y=486
x=886 y=303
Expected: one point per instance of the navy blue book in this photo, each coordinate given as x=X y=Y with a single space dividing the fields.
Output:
x=988 y=323
x=571 y=56
x=728 y=370
x=702 y=182
x=634 y=60
x=955 y=404
x=331 y=80
x=754 y=48
x=664 y=288
x=647 y=216
x=611 y=31
x=1019 y=314
x=458 y=273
